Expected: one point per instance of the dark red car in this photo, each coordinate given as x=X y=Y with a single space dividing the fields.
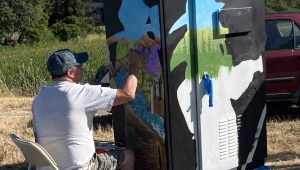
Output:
x=283 y=57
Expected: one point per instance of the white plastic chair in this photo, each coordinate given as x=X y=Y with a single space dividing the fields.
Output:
x=34 y=153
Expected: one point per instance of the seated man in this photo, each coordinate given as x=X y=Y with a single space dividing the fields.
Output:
x=63 y=113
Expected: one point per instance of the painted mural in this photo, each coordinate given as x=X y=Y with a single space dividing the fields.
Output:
x=200 y=99
x=138 y=29
x=218 y=59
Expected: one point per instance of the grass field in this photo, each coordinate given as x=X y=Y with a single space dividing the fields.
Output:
x=23 y=67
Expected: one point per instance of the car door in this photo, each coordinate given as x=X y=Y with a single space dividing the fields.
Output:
x=281 y=63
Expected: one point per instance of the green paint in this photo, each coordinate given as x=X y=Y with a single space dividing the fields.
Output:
x=182 y=54
x=209 y=55
x=123 y=48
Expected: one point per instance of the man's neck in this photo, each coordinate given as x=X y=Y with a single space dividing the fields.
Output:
x=64 y=79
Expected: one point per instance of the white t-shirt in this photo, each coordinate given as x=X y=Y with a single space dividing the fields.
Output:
x=63 y=120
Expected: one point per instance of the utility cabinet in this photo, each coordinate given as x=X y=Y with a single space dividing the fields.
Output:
x=200 y=102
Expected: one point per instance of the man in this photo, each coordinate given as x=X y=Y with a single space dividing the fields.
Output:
x=63 y=113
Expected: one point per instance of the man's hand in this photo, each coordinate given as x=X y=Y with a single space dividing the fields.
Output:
x=113 y=70
x=133 y=61
x=127 y=94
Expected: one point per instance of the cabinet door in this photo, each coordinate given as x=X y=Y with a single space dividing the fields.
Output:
x=230 y=77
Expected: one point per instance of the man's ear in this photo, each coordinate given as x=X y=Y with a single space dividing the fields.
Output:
x=70 y=73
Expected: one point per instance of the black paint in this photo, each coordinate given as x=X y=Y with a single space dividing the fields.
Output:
x=249 y=45
x=112 y=23
x=182 y=147
x=242 y=102
x=112 y=48
x=247 y=127
x=150 y=3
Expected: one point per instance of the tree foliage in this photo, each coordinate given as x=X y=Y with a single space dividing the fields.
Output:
x=60 y=9
x=67 y=18
x=68 y=28
x=25 y=18
x=8 y=20
x=35 y=20
x=282 y=5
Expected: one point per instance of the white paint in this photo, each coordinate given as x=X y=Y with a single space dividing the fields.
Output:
x=230 y=84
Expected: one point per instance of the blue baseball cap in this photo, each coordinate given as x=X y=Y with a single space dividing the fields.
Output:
x=60 y=61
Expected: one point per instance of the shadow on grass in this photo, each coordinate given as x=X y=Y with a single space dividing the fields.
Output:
x=282 y=111
x=102 y=121
x=284 y=156
x=286 y=167
x=20 y=166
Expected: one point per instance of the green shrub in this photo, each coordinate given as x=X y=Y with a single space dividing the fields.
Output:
x=88 y=27
x=72 y=27
x=38 y=31
x=66 y=31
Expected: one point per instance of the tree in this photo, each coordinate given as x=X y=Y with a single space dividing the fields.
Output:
x=25 y=18
x=60 y=9
x=8 y=20
x=67 y=28
x=67 y=18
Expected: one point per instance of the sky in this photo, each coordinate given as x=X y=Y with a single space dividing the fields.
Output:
x=204 y=12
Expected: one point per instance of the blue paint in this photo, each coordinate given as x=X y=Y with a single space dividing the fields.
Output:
x=183 y=20
x=121 y=78
x=208 y=88
x=263 y=168
x=134 y=14
x=205 y=9
x=141 y=106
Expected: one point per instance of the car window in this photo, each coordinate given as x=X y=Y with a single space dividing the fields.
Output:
x=279 y=34
x=297 y=35
x=285 y=28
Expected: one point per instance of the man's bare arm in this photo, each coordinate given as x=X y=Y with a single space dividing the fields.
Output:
x=127 y=94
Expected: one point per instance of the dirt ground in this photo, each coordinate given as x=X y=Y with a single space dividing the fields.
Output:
x=283 y=129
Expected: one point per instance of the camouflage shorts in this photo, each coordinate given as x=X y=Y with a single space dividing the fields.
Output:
x=110 y=160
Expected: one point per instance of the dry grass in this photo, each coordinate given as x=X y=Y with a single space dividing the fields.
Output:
x=284 y=145
x=15 y=117
x=20 y=125
x=11 y=104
